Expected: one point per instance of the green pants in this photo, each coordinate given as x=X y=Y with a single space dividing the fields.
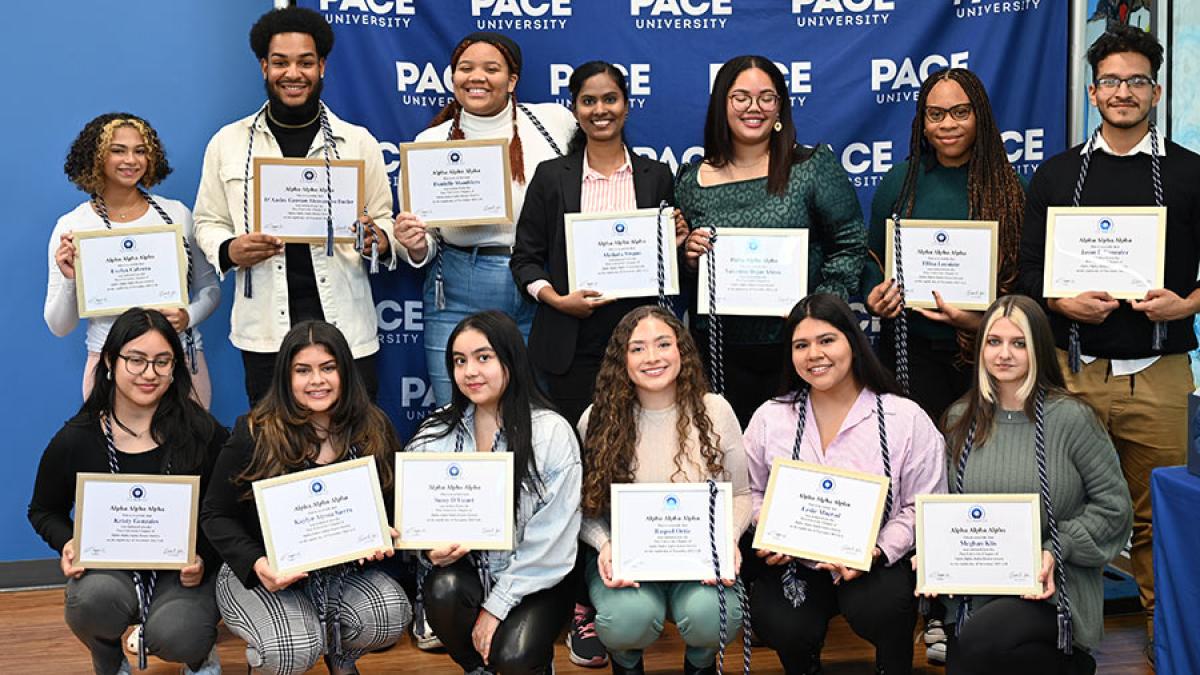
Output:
x=629 y=619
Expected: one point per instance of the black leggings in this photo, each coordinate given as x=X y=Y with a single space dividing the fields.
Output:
x=879 y=606
x=524 y=641
x=1011 y=635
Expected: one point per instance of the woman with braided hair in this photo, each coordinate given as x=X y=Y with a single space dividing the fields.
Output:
x=139 y=418
x=654 y=422
x=115 y=159
x=1018 y=430
x=838 y=407
x=468 y=267
x=957 y=169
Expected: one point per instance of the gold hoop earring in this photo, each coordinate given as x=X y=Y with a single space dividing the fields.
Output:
x=778 y=126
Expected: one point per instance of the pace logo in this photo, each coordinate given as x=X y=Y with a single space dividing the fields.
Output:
x=392 y=316
x=826 y=13
x=1025 y=149
x=797 y=74
x=637 y=80
x=680 y=14
x=897 y=82
x=670 y=157
x=867 y=161
x=424 y=84
x=372 y=13
x=504 y=15
x=970 y=9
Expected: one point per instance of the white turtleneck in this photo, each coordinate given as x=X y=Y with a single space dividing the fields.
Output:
x=558 y=122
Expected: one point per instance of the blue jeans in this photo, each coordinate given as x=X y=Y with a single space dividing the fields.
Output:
x=472 y=283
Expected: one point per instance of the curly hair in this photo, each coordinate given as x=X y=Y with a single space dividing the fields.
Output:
x=1124 y=38
x=610 y=446
x=84 y=165
x=290 y=20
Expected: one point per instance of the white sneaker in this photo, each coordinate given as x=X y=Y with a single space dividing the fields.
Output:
x=131 y=641
x=935 y=631
x=936 y=653
x=424 y=637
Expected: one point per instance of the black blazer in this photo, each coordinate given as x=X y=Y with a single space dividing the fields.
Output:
x=540 y=251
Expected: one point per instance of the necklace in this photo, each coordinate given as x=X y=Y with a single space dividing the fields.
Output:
x=293 y=126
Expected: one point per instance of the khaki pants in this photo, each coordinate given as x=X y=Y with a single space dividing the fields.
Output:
x=1146 y=415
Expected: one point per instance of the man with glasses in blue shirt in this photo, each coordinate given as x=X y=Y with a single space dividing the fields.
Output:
x=1127 y=358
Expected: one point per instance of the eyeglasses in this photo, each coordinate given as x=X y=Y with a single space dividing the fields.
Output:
x=741 y=100
x=961 y=112
x=136 y=365
x=1134 y=82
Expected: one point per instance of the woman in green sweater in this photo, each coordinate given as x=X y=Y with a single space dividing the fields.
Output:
x=755 y=175
x=1019 y=430
x=956 y=169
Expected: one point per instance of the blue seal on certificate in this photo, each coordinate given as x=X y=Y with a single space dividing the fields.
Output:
x=316 y=487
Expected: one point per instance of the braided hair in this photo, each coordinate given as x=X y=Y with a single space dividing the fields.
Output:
x=453 y=110
x=993 y=190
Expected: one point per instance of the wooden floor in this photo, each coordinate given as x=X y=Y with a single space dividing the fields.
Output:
x=34 y=639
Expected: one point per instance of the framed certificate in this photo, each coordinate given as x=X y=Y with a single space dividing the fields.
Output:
x=617 y=253
x=760 y=271
x=132 y=521
x=445 y=498
x=456 y=183
x=130 y=267
x=956 y=258
x=979 y=544
x=323 y=516
x=1119 y=249
x=821 y=513
x=660 y=531
x=291 y=202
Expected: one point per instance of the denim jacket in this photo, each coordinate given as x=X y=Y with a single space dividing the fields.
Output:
x=547 y=525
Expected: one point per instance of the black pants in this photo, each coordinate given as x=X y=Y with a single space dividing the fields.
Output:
x=1011 y=635
x=260 y=368
x=935 y=380
x=572 y=391
x=879 y=606
x=752 y=373
x=524 y=641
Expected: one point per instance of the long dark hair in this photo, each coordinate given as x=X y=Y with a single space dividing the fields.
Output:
x=180 y=425
x=581 y=75
x=833 y=310
x=520 y=397
x=284 y=439
x=1044 y=371
x=718 y=139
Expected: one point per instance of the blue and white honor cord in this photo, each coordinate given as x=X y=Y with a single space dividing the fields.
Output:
x=900 y=324
x=739 y=589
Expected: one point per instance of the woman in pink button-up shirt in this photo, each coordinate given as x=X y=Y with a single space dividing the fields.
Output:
x=829 y=413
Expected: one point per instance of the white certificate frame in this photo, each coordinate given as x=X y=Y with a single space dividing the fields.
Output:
x=1050 y=284
x=763 y=538
x=262 y=491
x=505 y=459
x=572 y=221
x=407 y=191
x=88 y=309
x=134 y=480
x=800 y=250
x=341 y=221
x=923 y=535
x=926 y=301
x=725 y=543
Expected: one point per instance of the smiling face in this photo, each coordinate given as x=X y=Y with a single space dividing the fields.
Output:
x=822 y=355
x=652 y=358
x=144 y=389
x=127 y=158
x=751 y=125
x=1005 y=353
x=1123 y=106
x=292 y=69
x=601 y=108
x=478 y=373
x=482 y=80
x=952 y=139
x=316 y=381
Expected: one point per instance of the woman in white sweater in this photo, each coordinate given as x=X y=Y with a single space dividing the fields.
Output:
x=468 y=266
x=115 y=159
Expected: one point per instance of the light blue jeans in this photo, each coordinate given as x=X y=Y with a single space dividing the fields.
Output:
x=472 y=283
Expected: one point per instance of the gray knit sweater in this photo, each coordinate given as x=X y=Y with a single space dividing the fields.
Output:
x=1090 y=497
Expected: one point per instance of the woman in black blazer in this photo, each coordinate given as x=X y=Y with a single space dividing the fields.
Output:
x=598 y=173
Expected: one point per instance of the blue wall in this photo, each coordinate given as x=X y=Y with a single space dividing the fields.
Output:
x=186 y=67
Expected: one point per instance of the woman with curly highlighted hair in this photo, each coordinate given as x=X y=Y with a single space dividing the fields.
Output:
x=653 y=422
x=115 y=160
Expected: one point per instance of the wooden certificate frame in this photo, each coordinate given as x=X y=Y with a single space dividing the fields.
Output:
x=503 y=458
x=406 y=190
x=924 y=585
x=82 y=479
x=670 y=254
x=913 y=300
x=702 y=292
x=1052 y=290
x=81 y=290
x=358 y=164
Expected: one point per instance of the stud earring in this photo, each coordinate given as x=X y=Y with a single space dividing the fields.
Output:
x=778 y=126
x=109 y=375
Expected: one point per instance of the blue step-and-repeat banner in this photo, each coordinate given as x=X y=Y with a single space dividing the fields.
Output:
x=853 y=69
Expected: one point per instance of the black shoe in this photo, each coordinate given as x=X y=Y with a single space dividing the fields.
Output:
x=618 y=669
x=689 y=669
x=583 y=646
x=1148 y=650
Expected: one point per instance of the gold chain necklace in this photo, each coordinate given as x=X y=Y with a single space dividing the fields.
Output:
x=293 y=126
